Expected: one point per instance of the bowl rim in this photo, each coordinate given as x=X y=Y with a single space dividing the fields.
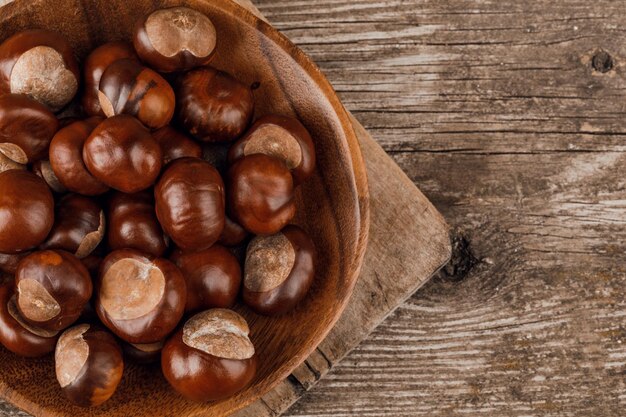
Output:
x=358 y=174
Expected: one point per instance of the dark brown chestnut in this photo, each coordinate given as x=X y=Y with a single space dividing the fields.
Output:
x=279 y=271
x=9 y=261
x=213 y=277
x=283 y=138
x=233 y=234
x=89 y=364
x=52 y=289
x=43 y=170
x=26 y=128
x=79 y=226
x=66 y=158
x=175 y=145
x=122 y=153
x=261 y=194
x=140 y=298
x=18 y=336
x=144 y=353
x=190 y=203
x=175 y=39
x=212 y=105
x=126 y=87
x=96 y=63
x=40 y=64
x=26 y=211
x=133 y=224
x=211 y=357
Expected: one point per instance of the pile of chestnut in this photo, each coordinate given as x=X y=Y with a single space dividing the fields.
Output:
x=119 y=226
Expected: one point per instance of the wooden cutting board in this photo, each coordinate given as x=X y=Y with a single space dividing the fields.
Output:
x=408 y=243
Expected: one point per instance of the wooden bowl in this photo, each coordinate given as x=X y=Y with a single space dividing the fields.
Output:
x=333 y=206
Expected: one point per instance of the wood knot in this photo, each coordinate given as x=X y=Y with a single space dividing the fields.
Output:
x=602 y=62
x=462 y=261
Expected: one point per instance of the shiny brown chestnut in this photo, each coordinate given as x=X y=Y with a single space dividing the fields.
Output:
x=190 y=203
x=212 y=105
x=133 y=224
x=139 y=298
x=175 y=145
x=122 y=153
x=89 y=364
x=283 y=138
x=96 y=63
x=26 y=128
x=18 y=336
x=233 y=234
x=211 y=357
x=213 y=277
x=79 y=226
x=175 y=39
x=279 y=271
x=261 y=194
x=66 y=158
x=43 y=170
x=144 y=353
x=40 y=64
x=127 y=87
x=52 y=287
x=26 y=211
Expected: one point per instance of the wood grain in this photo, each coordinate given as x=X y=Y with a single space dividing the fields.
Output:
x=496 y=111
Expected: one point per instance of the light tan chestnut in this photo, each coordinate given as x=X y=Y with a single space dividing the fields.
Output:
x=175 y=39
x=89 y=364
x=211 y=357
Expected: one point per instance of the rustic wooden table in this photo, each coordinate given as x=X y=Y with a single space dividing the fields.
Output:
x=511 y=116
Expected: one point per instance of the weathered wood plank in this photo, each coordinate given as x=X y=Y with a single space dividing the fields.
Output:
x=496 y=111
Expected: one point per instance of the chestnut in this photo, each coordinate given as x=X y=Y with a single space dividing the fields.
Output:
x=96 y=63
x=261 y=194
x=144 y=353
x=122 y=153
x=212 y=105
x=211 y=357
x=78 y=227
x=175 y=39
x=233 y=234
x=139 y=298
x=213 y=277
x=190 y=203
x=283 y=138
x=89 y=364
x=18 y=336
x=43 y=170
x=40 y=64
x=133 y=224
x=66 y=158
x=127 y=87
x=279 y=271
x=26 y=211
x=9 y=261
x=175 y=145
x=52 y=287
x=26 y=128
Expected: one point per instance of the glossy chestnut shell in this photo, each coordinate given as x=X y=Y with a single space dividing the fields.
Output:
x=26 y=211
x=175 y=39
x=138 y=297
x=190 y=203
x=122 y=153
x=233 y=234
x=213 y=277
x=53 y=288
x=212 y=105
x=175 y=145
x=96 y=63
x=133 y=224
x=66 y=158
x=279 y=271
x=283 y=138
x=261 y=194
